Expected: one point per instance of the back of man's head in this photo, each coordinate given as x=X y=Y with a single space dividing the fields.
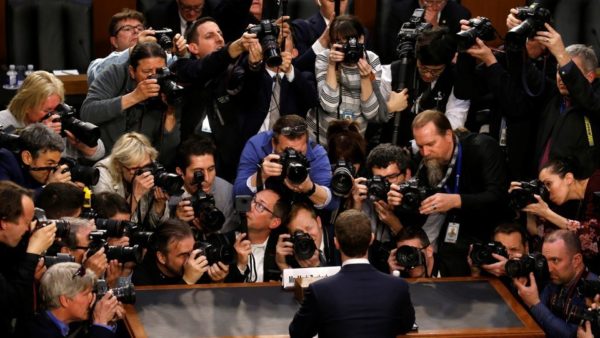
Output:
x=37 y=138
x=60 y=199
x=353 y=233
x=63 y=279
x=108 y=204
x=11 y=196
x=435 y=46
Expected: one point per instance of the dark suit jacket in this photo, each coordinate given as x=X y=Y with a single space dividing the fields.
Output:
x=163 y=15
x=358 y=301
x=307 y=31
x=42 y=326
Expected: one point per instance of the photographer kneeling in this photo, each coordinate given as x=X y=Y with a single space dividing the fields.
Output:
x=131 y=171
x=68 y=299
x=37 y=161
x=308 y=243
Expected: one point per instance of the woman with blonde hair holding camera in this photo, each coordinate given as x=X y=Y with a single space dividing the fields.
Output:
x=128 y=172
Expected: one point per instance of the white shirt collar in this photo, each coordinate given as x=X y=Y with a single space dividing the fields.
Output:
x=355 y=261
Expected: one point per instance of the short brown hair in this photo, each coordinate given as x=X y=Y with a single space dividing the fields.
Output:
x=11 y=195
x=571 y=240
x=291 y=121
x=345 y=142
x=353 y=233
x=125 y=13
x=438 y=118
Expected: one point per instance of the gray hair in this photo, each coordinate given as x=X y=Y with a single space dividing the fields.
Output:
x=37 y=138
x=586 y=54
x=77 y=224
x=61 y=280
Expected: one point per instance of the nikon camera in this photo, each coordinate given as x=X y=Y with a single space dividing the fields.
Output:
x=482 y=253
x=480 y=28
x=125 y=294
x=304 y=246
x=295 y=165
x=267 y=32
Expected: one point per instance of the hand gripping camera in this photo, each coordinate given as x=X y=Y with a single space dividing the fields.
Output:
x=533 y=19
x=482 y=253
x=520 y=198
x=521 y=267
x=169 y=182
x=353 y=51
x=217 y=248
x=295 y=165
x=164 y=37
x=123 y=254
x=168 y=86
x=267 y=32
x=377 y=188
x=63 y=228
x=125 y=293
x=304 y=246
x=85 y=132
x=89 y=176
x=480 y=28
x=410 y=257
x=211 y=218
x=413 y=194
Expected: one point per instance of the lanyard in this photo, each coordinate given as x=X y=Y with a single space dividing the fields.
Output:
x=458 y=170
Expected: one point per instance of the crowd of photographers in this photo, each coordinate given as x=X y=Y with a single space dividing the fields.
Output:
x=205 y=153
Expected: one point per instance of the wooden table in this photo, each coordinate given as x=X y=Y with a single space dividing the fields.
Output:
x=451 y=307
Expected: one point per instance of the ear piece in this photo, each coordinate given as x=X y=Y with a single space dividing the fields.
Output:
x=319 y=2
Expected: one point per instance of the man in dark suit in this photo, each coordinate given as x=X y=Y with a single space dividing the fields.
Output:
x=437 y=13
x=359 y=301
x=177 y=15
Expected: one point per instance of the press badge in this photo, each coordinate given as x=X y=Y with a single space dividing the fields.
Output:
x=452 y=232
x=346 y=115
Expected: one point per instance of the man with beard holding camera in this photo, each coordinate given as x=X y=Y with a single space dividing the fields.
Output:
x=469 y=172
x=307 y=243
x=69 y=302
x=196 y=165
x=37 y=161
x=560 y=299
x=18 y=272
x=289 y=135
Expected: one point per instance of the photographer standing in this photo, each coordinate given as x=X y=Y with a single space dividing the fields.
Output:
x=469 y=172
x=348 y=78
x=128 y=97
x=127 y=172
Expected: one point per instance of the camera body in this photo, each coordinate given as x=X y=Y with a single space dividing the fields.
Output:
x=533 y=262
x=533 y=19
x=211 y=218
x=168 y=85
x=8 y=139
x=63 y=228
x=410 y=257
x=353 y=51
x=169 y=182
x=123 y=254
x=125 y=293
x=217 y=248
x=377 y=188
x=164 y=37
x=295 y=165
x=342 y=179
x=59 y=258
x=482 y=253
x=413 y=194
x=304 y=246
x=480 y=28
x=409 y=32
x=116 y=228
x=579 y=317
x=266 y=32
x=89 y=176
x=85 y=132
x=520 y=198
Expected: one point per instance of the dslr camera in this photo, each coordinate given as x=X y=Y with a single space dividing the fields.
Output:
x=116 y=228
x=168 y=86
x=295 y=165
x=304 y=246
x=409 y=32
x=266 y=32
x=63 y=228
x=377 y=188
x=410 y=257
x=80 y=173
x=533 y=19
x=413 y=194
x=85 y=132
x=342 y=179
x=217 y=248
x=579 y=317
x=353 y=51
x=520 y=198
x=211 y=218
x=123 y=254
x=521 y=267
x=589 y=288
x=480 y=28
x=59 y=258
x=8 y=139
x=125 y=293
x=169 y=182
x=482 y=253
x=164 y=37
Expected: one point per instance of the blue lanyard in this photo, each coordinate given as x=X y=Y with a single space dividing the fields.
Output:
x=458 y=170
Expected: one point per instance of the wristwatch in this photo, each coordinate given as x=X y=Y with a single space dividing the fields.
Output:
x=312 y=190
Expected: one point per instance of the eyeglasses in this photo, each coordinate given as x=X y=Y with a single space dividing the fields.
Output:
x=187 y=8
x=429 y=70
x=134 y=169
x=392 y=177
x=260 y=207
x=46 y=168
x=79 y=273
x=296 y=130
x=130 y=28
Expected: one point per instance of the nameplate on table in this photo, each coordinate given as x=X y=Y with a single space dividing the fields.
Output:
x=290 y=275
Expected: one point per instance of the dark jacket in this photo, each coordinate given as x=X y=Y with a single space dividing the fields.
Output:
x=358 y=301
x=270 y=271
x=42 y=326
x=11 y=170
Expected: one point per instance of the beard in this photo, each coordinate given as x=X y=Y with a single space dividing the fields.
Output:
x=435 y=171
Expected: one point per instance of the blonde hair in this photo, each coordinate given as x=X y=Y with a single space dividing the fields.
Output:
x=36 y=88
x=129 y=150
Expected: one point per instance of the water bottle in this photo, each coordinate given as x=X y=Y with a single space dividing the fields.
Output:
x=29 y=70
x=12 y=78
x=20 y=75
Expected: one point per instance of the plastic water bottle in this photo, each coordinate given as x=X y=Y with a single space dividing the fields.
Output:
x=29 y=70
x=20 y=75
x=12 y=78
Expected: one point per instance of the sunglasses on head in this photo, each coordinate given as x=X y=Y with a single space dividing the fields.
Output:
x=296 y=130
